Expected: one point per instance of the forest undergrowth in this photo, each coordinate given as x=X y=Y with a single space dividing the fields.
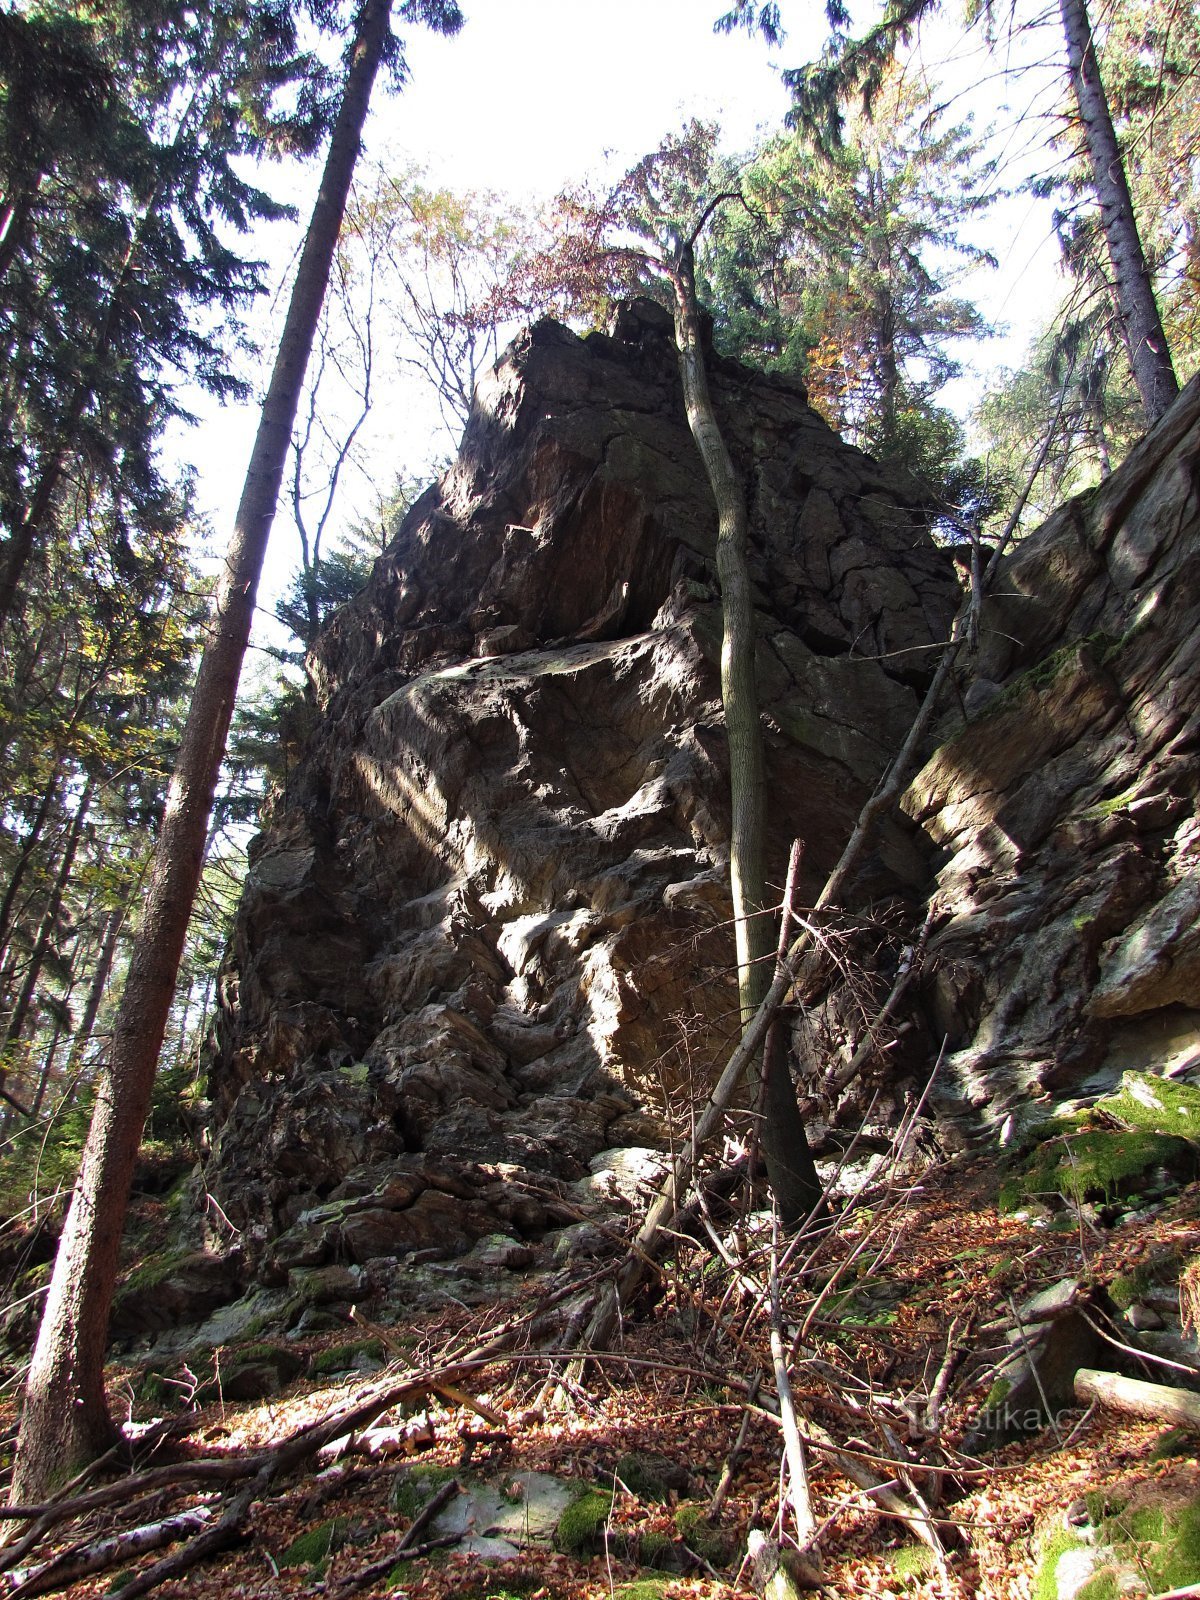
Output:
x=670 y=1442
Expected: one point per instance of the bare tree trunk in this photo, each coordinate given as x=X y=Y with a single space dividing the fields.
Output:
x=113 y=924
x=790 y=1169
x=47 y=1070
x=66 y=1418
x=49 y=922
x=1149 y=354
x=29 y=844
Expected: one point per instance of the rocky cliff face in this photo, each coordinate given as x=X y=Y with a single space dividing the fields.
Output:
x=1067 y=936
x=483 y=940
x=483 y=936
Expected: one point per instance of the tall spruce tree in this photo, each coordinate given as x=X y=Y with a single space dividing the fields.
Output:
x=121 y=191
x=852 y=66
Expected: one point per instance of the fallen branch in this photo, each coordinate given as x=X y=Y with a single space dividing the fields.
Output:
x=793 y=1449
x=721 y=1493
x=381 y=1568
x=73 y=1564
x=1160 y=1402
x=50 y=1515
x=407 y=1549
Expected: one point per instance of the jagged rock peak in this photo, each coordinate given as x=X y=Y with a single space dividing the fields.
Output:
x=483 y=933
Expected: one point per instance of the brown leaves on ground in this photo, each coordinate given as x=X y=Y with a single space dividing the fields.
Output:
x=882 y=1299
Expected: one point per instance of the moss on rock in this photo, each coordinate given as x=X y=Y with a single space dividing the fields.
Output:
x=1098 y=1164
x=580 y=1530
x=1156 y=1104
x=347 y=1357
x=313 y=1547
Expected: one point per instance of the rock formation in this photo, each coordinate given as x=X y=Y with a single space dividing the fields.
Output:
x=1067 y=944
x=483 y=940
x=483 y=936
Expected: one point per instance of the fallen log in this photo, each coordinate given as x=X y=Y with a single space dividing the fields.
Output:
x=127 y=1546
x=1160 y=1402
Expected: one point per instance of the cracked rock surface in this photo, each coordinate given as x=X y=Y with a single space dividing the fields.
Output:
x=494 y=893
x=1067 y=938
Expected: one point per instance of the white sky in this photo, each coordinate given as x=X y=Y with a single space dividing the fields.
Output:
x=533 y=94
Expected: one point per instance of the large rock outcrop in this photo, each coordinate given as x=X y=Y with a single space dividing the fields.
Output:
x=483 y=937
x=1067 y=941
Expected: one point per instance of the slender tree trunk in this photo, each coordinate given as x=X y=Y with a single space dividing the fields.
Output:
x=784 y=1144
x=1149 y=353
x=47 y=1070
x=45 y=933
x=28 y=845
x=113 y=924
x=66 y=1418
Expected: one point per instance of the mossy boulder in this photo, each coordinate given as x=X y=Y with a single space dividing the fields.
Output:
x=1153 y=1543
x=258 y=1371
x=716 y=1545
x=580 y=1530
x=361 y=1355
x=412 y=1490
x=173 y=1288
x=1159 y=1105
x=1102 y=1164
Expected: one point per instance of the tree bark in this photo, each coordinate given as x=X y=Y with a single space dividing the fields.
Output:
x=1149 y=353
x=66 y=1419
x=1159 y=1402
x=790 y=1169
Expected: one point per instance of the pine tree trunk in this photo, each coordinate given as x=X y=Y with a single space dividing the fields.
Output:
x=790 y=1169
x=113 y=924
x=66 y=1419
x=1149 y=354
x=47 y=1071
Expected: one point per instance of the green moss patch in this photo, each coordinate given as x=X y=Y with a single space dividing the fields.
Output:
x=346 y=1357
x=912 y=1561
x=1159 y=1105
x=1162 y=1540
x=412 y=1490
x=715 y=1545
x=153 y=1271
x=1098 y=1164
x=1053 y=1547
x=580 y=1530
x=657 y=1549
x=314 y=1547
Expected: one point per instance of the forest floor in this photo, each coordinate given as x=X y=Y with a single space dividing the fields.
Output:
x=652 y=1425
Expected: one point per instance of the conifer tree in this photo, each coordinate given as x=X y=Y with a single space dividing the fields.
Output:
x=65 y=1418
x=119 y=279
x=859 y=66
